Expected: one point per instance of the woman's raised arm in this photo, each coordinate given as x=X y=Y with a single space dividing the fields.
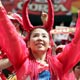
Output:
x=10 y=40
x=71 y=53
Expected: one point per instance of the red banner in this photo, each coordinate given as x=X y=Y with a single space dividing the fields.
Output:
x=61 y=7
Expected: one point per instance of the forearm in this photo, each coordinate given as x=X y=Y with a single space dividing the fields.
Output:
x=71 y=54
x=4 y=63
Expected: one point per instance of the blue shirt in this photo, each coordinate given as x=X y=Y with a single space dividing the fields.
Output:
x=44 y=75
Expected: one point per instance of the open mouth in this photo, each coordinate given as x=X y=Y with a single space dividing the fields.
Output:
x=40 y=43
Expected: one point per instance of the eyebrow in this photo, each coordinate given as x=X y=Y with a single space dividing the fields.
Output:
x=38 y=33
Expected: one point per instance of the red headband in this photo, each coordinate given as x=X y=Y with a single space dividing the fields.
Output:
x=49 y=24
x=26 y=22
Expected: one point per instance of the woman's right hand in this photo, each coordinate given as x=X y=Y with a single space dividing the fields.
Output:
x=44 y=17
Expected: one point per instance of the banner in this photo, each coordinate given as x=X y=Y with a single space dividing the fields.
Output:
x=62 y=30
x=61 y=7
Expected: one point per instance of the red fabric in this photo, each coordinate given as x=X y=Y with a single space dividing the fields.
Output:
x=26 y=22
x=49 y=24
x=69 y=76
x=17 y=51
x=2 y=77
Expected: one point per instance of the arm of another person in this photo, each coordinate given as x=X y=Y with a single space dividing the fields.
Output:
x=10 y=40
x=4 y=63
x=71 y=53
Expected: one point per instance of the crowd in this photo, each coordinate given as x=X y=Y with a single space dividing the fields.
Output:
x=29 y=52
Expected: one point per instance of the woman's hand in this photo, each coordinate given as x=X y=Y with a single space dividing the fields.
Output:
x=44 y=17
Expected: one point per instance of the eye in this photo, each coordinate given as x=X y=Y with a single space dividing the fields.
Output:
x=35 y=35
x=45 y=36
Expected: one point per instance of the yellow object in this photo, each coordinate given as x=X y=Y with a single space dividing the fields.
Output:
x=12 y=77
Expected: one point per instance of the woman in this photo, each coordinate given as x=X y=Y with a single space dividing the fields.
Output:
x=35 y=62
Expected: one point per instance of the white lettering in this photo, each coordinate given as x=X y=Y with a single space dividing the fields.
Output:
x=38 y=7
x=60 y=7
x=19 y=6
x=59 y=1
x=43 y=7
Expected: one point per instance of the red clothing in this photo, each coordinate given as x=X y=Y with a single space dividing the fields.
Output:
x=69 y=76
x=2 y=76
x=17 y=51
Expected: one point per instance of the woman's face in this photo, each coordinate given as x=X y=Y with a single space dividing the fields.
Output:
x=39 y=40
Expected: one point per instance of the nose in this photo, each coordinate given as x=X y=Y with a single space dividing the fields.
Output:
x=40 y=37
